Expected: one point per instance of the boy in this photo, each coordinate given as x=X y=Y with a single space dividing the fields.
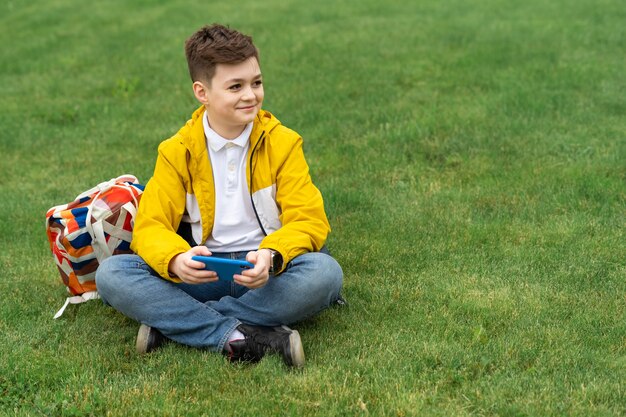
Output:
x=233 y=183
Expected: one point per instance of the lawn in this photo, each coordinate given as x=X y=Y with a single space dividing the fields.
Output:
x=472 y=156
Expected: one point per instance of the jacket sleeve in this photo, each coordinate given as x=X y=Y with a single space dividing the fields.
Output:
x=160 y=211
x=305 y=226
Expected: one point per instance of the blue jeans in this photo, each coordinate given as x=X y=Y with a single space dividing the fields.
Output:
x=204 y=315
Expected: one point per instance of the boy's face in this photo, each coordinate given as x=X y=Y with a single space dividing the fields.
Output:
x=233 y=97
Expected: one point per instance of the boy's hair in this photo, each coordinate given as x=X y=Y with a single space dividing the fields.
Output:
x=216 y=44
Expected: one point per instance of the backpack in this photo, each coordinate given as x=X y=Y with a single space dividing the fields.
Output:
x=96 y=225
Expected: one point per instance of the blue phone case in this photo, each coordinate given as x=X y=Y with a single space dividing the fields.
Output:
x=224 y=267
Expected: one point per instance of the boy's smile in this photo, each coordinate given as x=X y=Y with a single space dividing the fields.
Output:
x=233 y=97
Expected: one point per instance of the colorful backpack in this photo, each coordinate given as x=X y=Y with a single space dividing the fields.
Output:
x=96 y=225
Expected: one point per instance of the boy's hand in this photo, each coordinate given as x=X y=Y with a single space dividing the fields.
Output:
x=190 y=271
x=257 y=276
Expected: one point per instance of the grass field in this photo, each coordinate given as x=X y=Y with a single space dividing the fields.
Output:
x=472 y=155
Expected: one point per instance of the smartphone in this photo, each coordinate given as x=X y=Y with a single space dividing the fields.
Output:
x=224 y=267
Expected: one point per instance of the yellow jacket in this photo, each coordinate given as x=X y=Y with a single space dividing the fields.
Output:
x=289 y=207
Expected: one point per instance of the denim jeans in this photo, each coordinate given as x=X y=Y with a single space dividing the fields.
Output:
x=204 y=315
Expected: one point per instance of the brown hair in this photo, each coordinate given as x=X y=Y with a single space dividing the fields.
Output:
x=216 y=44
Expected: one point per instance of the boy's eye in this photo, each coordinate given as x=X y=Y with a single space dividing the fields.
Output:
x=235 y=87
x=258 y=83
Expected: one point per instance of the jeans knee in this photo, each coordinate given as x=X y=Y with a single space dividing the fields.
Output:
x=333 y=274
x=110 y=274
x=326 y=275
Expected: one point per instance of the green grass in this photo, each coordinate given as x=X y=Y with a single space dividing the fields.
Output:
x=472 y=155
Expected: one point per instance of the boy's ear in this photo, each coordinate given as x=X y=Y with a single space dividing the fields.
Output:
x=200 y=91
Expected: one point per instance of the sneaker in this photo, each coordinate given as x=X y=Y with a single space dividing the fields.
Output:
x=148 y=339
x=261 y=340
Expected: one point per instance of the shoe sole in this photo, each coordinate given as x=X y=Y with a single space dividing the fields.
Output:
x=141 y=346
x=295 y=348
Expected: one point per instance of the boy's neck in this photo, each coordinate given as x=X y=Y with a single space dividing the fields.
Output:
x=226 y=132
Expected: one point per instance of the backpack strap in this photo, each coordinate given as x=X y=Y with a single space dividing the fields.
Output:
x=77 y=299
x=97 y=229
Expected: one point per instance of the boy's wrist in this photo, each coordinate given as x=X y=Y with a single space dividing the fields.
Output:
x=276 y=262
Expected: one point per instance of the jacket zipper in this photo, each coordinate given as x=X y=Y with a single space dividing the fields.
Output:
x=251 y=167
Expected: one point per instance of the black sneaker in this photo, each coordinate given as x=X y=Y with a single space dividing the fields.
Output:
x=148 y=339
x=261 y=340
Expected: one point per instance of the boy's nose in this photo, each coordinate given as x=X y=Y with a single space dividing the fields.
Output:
x=248 y=94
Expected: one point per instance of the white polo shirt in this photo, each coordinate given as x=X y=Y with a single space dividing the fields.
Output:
x=235 y=227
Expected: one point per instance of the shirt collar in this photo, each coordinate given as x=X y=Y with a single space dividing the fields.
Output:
x=217 y=142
